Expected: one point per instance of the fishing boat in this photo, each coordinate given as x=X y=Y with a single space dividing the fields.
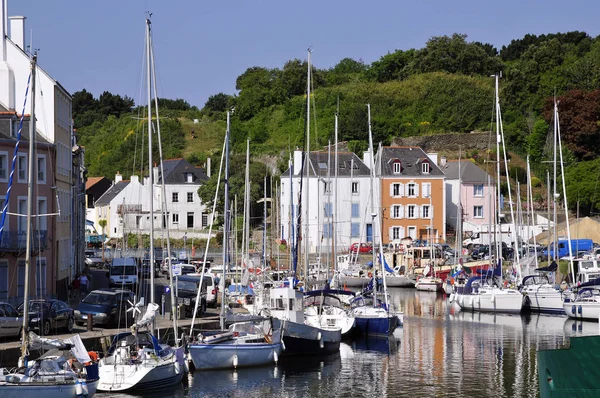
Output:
x=50 y=375
x=246 y=344
x=135 y=360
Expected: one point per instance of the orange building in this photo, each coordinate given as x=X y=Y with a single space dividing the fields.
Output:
x=412 y=195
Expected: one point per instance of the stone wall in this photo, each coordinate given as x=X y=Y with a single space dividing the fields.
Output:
x=449 y=142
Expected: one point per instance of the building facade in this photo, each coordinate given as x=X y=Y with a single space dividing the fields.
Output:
x=412 y=195
x=336 y=209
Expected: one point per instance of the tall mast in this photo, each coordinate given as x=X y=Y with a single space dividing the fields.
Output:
x=335 y=191
x=554 y=193
x=247 y=208
x=307 y=198
x=150 y=169
x=373 y=215
x=497 y=228
x=30 y=183
x=226 y=219
x=459 y=210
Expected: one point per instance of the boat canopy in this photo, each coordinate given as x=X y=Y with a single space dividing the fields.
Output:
x=143 y=339
x=550 y=268
x=329 y=292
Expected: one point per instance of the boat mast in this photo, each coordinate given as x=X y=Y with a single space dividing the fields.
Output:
x=165 y=212
x=226 y=219
x=373 y=215
x=555 y=194
x=150 y=170
x=459 y=228
x=497 y=227
x=30 y=183
x=335 y=192
x=307 y=220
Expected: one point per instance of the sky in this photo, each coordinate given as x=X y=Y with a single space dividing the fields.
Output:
x=202 y=46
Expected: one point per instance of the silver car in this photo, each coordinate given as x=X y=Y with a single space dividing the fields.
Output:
x=10 y=321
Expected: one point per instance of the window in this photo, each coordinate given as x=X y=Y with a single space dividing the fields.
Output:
x=478 y=211
x=327 y=230
x=42 y=221
x=355 y=230
x=175 y=218
x=41 y=169
x=354 y=188
x=397 y=167
x=326 y=186
x=190 y=197
x=22 y=210
x=3 y=166
x=190 y=220
x=478 y=190
x=175 y=197
x=189 y=177
x=396 y=233
x=397 y=211
x=328 y=210
x=397 y=189
x=412 y=190
x=2 y=203
x=412 y=232
x=204 y=220
x=425 y=167
x=425 y=212
x=355 y=210
x=40 y=278
x=411 y=210
x=22 y=167
x=426 y=187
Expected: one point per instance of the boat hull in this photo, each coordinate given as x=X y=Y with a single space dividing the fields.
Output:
x=231 y=356
x=571 y=372
x=548 y=302
x=376 y=326
x=399 y=281
x=429 y=285
x=354 y=281
x=510 y=303
x=147 y=375
x=582 y=310
x=301 y=339
x=9 y=390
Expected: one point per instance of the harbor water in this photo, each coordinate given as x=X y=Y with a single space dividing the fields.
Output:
x=440 y=351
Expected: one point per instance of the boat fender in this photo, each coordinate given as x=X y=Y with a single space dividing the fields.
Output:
x=574 y=309
x=84 y=388
x=78 y=388
x=579 y=310
x=321 y=344
x=319 y=336
x=235 y=361
x=275 y=357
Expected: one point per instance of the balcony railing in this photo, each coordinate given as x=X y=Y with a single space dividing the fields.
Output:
x=16 y=241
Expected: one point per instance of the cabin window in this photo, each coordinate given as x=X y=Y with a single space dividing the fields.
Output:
x=291 y=304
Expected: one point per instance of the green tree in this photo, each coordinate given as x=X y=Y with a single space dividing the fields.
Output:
x=219 y=102
x=582 y=186
x=392 y=66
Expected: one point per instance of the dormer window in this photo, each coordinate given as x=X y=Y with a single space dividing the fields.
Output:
x=425 y=167
x=397 y=167
x=189 y=177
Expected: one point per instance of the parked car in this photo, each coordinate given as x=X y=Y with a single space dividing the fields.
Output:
x=107 y=306
x=187 y=291
x=10 y=321
x=46 y=315
x=164 y=268
x=94 y=259
x=146 y=268
x=361 y=248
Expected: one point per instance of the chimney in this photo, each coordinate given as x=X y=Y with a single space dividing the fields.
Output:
x=297 y=161
x=118 y=177
x=208 y=167
x=443 y=161
x=367 y=159
x=434 y=157
x=135 y=179
x=17 y=31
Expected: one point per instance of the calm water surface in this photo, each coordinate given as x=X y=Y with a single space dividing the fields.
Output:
x=439 y=352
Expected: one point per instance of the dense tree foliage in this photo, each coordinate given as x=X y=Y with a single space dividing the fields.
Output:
x=87 y=109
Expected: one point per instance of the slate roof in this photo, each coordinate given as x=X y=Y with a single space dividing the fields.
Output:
x=411 y=159
x=470 y=172
x=176 y=170
x=7 y=116
x=111 y=193
x=346 y=160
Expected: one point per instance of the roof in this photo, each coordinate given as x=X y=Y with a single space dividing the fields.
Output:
x=176 y=170
x=470 y=172
x=348 y=165
x=8 y=116
x=111 y=193
x=91 y=181
x=410 y=158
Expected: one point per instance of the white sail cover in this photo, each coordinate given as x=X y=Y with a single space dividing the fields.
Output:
x=147 y=318
x=78 y=349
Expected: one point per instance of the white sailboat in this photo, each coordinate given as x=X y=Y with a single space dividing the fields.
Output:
x=49 y=376
x=485 y=292
x=136 y=360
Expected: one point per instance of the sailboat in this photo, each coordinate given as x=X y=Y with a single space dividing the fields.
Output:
x=244 y=344
x=485 y=291
x=429 y=283
x=136 y=360
x=372 y=315
x=48 y=376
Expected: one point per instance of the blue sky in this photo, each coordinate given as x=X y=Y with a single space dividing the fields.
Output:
x=201 y=46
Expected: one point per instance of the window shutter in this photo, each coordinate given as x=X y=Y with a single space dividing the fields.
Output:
x=391 y=234
x=401 y=190
x=416 y=189
x=400 y=211
x=421 y=211
x=391 y=189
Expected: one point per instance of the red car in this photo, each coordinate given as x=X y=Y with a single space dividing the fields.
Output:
x=361 y=248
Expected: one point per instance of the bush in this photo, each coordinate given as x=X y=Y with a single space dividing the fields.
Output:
x=536 y=182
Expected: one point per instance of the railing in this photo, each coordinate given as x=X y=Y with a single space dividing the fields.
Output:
x=16 y=241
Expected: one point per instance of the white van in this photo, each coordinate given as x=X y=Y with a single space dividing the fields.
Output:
x=123 y=273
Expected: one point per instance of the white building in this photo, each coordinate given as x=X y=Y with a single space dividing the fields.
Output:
x=126 y=205
x=338 y=209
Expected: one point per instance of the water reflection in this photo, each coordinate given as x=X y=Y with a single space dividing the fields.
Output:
x=440 y=351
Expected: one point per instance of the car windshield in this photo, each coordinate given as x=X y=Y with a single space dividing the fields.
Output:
x=39 y=306
x=99 y=298
x=186 y=285
x=127 y=270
